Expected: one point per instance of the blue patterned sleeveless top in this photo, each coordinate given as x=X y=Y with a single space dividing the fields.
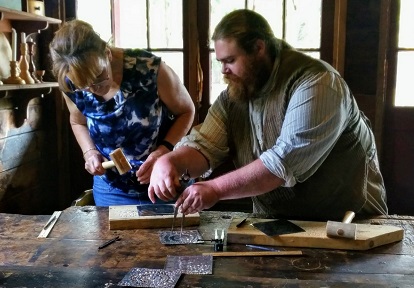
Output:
x=132 y=119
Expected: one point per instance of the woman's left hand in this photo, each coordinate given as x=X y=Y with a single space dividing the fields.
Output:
x=144 y=172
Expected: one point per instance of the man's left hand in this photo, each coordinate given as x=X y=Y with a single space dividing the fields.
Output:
x=197 y=197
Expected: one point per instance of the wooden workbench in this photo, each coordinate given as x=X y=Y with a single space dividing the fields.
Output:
x=69 y=256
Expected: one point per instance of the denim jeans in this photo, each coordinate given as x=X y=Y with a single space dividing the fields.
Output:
x=106 y=195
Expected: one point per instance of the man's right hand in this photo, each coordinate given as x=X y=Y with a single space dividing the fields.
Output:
x=164 y=180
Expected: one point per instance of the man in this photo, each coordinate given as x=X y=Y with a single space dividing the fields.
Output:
x=300 y=145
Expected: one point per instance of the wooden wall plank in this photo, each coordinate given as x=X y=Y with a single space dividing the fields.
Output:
x=20 y=149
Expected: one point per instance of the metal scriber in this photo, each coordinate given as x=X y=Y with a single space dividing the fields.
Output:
x=184 y=183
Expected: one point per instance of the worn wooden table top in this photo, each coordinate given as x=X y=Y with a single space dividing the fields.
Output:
x=69 y=256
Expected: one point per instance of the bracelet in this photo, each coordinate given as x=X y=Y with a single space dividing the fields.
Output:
x=166 y=144
x=87 y=150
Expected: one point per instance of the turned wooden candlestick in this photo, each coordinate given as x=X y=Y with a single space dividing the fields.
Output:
x=40 y=74
x=14 y=74
x=24 y=65
x=32 y=67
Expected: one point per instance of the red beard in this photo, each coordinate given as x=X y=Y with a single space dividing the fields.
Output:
x=237 y=89
x=245 y=87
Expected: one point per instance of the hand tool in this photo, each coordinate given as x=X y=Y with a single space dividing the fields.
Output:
x=184 y=181
x=344 y=229
x=256 y=253
x=50 y=222
x=260 y=247
x=109 y=242
x=49 y=225
x=218 y=240
x=120 y=162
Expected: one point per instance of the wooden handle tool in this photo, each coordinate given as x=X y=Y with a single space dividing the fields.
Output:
x=256 y=253
x=119 y=161
x=344 y=229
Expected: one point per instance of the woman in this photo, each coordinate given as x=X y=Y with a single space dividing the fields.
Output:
x=119 y=98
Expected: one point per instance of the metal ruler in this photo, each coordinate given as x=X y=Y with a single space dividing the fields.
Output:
x=49 y=225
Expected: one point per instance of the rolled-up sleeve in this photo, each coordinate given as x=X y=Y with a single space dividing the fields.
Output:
x=210 y=137
x=315 y=118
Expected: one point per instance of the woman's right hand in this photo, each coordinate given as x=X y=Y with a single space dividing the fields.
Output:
x=93 y=162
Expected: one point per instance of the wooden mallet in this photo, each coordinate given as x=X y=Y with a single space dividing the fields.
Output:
x=344 y=229
x=119 y=161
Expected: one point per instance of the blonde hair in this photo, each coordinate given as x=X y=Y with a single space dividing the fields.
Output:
x=77 y=49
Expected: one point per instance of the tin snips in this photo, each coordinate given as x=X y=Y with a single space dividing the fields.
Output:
x=185 y=181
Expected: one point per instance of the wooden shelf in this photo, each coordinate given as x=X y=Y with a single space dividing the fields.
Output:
x=28 y=23
x=6 y=90
x=24 y=21
x=11 y=14
x=7 y=87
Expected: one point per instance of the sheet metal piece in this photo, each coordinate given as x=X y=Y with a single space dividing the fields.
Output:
x=199 y=264
x=179 y=238
x=277 y=227
x=155 y=209
x=145 y=277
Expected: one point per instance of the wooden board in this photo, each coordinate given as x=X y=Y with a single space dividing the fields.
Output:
x=367 y=236
x=127 y=217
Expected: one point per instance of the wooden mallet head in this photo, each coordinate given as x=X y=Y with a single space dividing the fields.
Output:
x=119 y=161
x=344 y=229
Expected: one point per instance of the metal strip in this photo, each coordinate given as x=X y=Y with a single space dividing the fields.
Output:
x=49 y=225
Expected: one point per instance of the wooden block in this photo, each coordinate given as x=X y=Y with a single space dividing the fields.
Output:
x=127 y=217
x=367 y=236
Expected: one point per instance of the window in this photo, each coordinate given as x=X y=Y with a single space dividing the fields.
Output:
x=102 y=24
x=405 y=56
x=296 y=21
x=157 y=25
x=154 y=25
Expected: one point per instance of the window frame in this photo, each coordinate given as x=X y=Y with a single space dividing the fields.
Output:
x=394 y=50
x=332 y=25
x=196 y=49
